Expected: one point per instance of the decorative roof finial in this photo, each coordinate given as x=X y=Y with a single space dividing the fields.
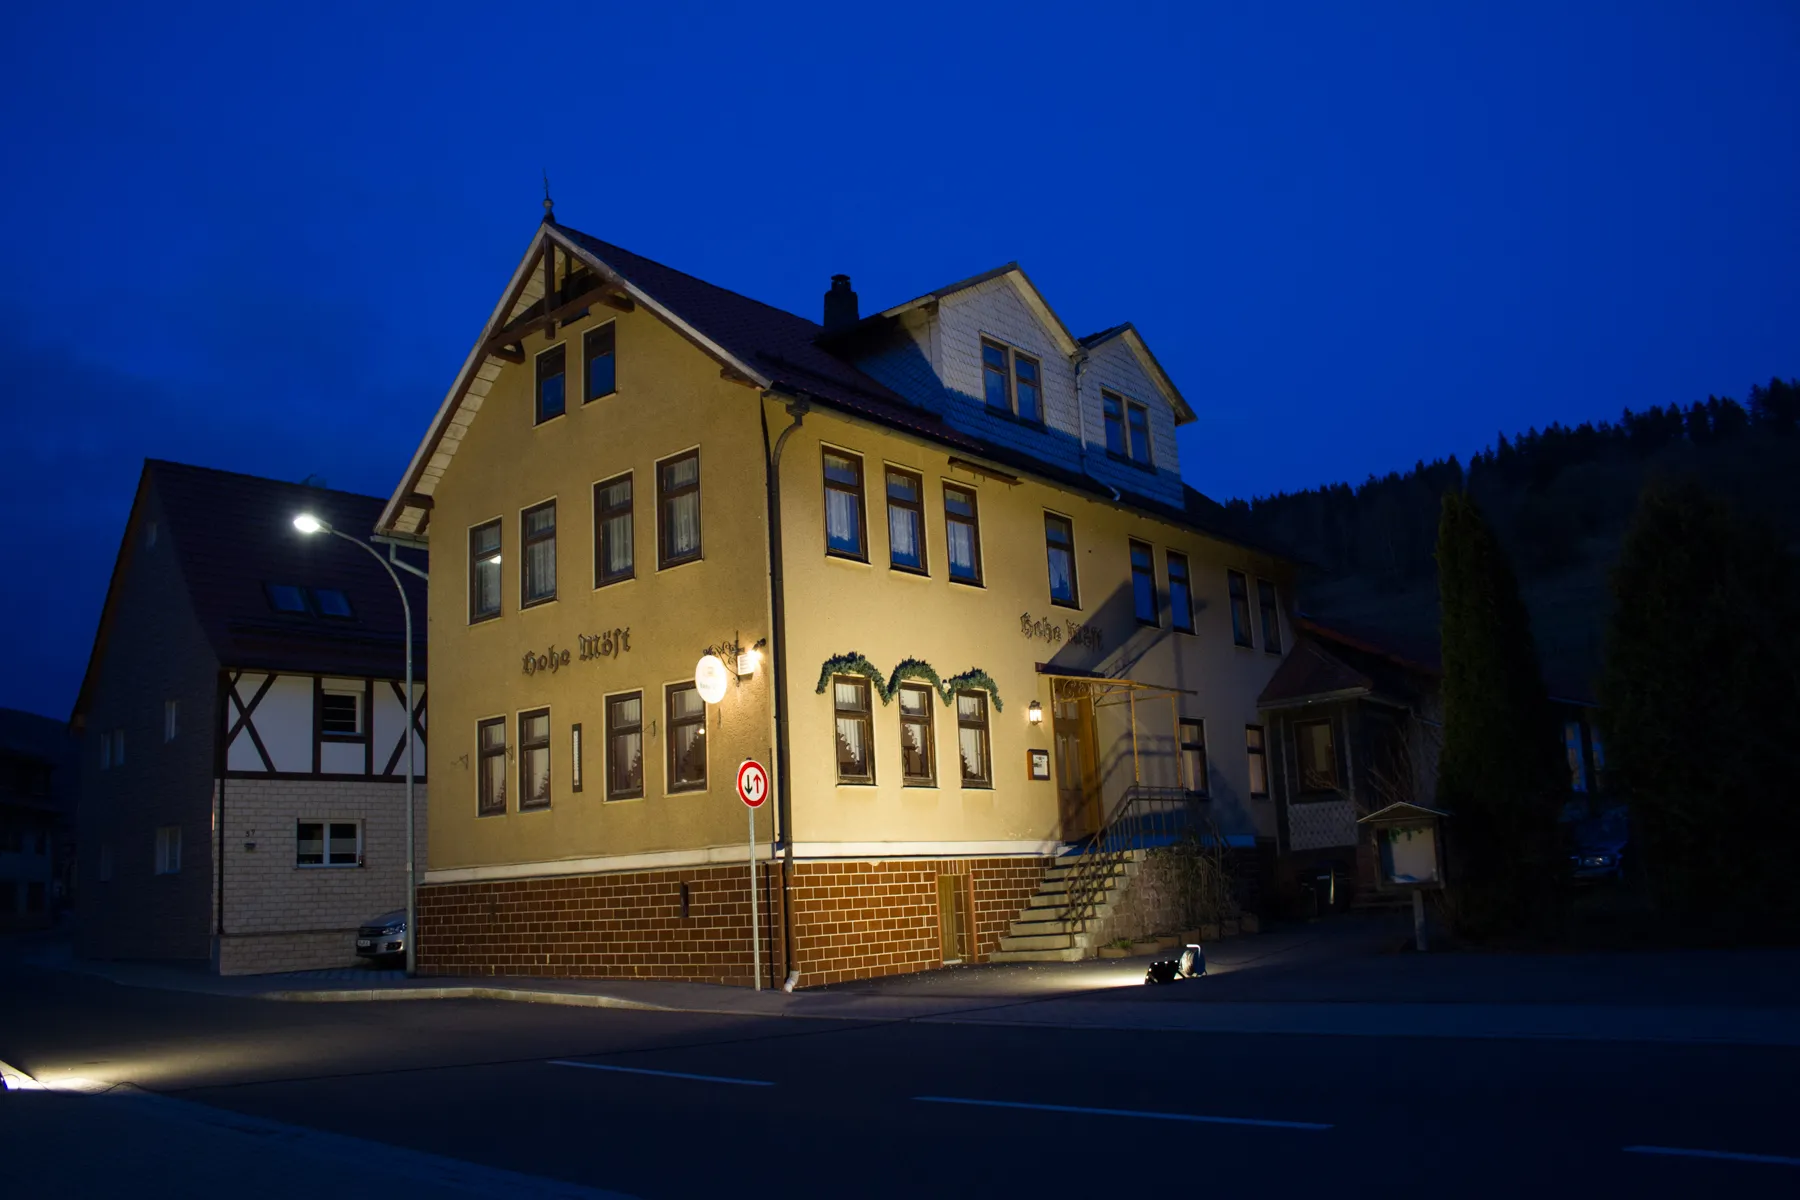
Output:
x=549 y=205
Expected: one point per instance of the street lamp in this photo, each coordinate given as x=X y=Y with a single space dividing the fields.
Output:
x=308 y=524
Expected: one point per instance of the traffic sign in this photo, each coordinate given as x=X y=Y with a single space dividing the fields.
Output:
x=752 y=783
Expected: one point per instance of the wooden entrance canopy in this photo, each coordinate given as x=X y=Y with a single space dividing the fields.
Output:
x=1068 y=683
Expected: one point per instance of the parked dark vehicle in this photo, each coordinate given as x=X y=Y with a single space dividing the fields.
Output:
x=1598 y=845
x=384 y=937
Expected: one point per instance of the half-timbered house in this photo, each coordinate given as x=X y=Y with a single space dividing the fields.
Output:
x=242 y=729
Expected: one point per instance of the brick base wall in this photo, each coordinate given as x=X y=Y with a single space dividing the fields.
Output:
x=852 y=920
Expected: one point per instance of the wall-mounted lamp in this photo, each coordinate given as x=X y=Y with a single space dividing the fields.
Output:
x=1035 y=713
x=748 y=661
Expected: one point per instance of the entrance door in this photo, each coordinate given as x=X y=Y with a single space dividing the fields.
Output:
x=1077 y=781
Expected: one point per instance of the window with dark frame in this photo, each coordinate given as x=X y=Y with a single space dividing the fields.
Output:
x=996 y=382
x=625 y=746
x=534 y=759
x=918 y=758
x=1271 y=616
x=686 y=725
x=484 y=571
x=906 y=521
x=598 y=364
x=1316 y=749
x=1059 y=548
x=1259 y=761
x=1239 y=589
x=962 y=534
x=490 y=750
x=537 y=559
x=1138 y=419
x=613 y=549
x=1112 y=415
x=550 y=393
x=340 y=714
x=1181 y=594
x=845 y=535
x=1011 y=381
x=327 y=844
x=972 y=739
x=855 y=753
x=678 y=505
x=1143 y=584
x=1194 y=775
x=1028 y=387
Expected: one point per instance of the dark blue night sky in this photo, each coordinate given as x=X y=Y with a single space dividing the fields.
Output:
x=1356 y=234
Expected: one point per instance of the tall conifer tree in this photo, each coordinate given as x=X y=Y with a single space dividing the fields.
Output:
x=1700 y=699
x=1500 y=774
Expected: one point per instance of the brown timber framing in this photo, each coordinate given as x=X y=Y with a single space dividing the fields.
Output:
x=611 y=289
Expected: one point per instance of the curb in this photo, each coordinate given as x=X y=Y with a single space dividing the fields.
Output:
x=14 y=1080
x=520 y=995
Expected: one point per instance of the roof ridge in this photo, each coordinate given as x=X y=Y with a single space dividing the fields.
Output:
x=687 y=275
x=311 y=487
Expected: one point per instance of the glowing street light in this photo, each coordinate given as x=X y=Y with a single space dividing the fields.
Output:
x=309 y=524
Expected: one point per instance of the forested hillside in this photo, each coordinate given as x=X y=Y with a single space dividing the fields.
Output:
x=1559 y=499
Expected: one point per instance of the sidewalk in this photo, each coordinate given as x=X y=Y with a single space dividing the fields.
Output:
x=1335 y=978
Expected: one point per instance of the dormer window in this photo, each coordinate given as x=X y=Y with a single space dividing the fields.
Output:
x=329 y=602
x=1011 y=381
x=1137 y=418
x=1127 y=428
x=320 y=602
x=285 y=597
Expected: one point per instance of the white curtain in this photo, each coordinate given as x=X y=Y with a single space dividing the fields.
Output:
x=962 y=549
x=903 y=534
x=1061 y=586
x=616 y=529
x=540 y=556
x=842 y=528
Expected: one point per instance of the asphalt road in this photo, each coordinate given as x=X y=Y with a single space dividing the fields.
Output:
x=663 y=1104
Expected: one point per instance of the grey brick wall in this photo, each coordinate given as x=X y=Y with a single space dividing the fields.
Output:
x=283 y=917
x=154 y=651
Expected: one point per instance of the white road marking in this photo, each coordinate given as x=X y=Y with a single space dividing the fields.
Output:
x=1774 y=1159
x=564 y=1062
x=1124 y=1112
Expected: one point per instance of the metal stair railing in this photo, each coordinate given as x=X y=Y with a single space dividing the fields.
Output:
x=1144 y=818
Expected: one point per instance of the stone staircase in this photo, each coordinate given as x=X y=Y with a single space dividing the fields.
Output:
x=1042 y=935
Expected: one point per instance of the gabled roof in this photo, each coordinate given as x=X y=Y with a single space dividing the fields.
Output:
x=1027 y=290
x=231 y=534
x=1309 y=675
x=763 y=346
x=1153 y=368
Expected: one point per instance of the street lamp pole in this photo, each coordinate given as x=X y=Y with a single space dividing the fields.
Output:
x=308 y=524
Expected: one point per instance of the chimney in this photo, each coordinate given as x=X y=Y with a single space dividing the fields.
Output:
x=840 y=305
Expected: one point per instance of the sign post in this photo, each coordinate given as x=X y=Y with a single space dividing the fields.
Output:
x=753 y=789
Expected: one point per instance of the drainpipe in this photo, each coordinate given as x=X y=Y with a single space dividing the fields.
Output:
x=796 y=408
x=1080 y=361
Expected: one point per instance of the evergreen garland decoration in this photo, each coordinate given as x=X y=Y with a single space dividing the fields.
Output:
x=974 y=677
x=916 y=668
x=854 y=664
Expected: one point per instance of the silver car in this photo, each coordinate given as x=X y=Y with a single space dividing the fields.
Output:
x=383 y=937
